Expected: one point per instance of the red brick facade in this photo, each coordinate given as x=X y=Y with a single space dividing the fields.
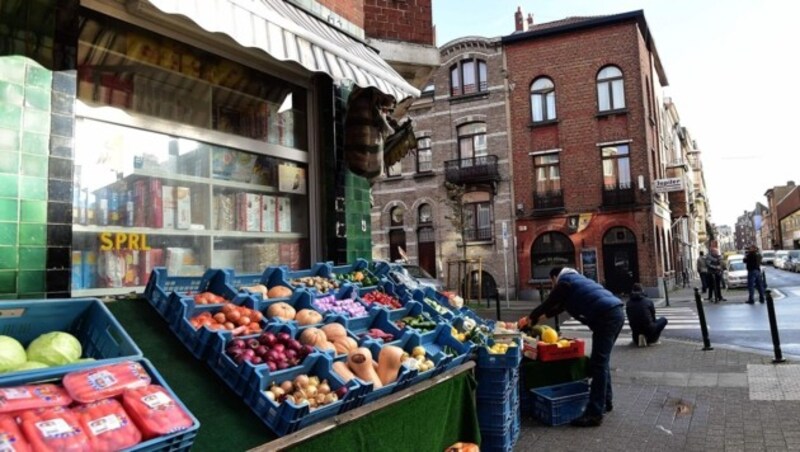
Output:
x=352 y=10
x=572 y=60
x=398 y=20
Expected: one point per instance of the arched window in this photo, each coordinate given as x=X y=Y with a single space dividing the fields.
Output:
x=543 y=100
x=551 y=249
x=397 y=235
x=425 y=214
x=472 y=143
x=610 y=89
x=468 y=76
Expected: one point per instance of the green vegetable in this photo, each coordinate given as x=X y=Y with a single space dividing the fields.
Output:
x=55 y=349
x=29 y=365
x=12 y=354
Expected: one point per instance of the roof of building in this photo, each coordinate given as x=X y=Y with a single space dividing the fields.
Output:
x=576 y=23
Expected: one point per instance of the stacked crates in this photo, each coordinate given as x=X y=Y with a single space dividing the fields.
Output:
x=498 y=398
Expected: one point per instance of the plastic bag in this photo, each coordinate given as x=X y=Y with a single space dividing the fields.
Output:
x=155 y=411
x=102 y=382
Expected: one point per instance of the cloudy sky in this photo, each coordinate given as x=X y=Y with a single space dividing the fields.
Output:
x=729 y=65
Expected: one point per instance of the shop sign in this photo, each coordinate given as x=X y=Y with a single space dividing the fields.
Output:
x=121 y=240
x=589 y=263
x=668 y=185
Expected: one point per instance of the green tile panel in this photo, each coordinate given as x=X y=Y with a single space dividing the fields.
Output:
x=10 y=116
x=38 y=98
x=9 y=209
x=32 y=234
x=33 y=211
x=8 y=258
x=12 y=69
x=32 y=188
x=35 y=143
x=36 y=121
x=8 y=234
x=32 y=257
x=8 y=279
x=31 y=281
x=11 y=93
x=9 y=139
x=38 y=76
x=34 y=165
x=9 y=162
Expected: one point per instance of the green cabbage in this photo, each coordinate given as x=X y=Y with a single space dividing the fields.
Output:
x=12 y=354
x=28 y=365
x=55 y=348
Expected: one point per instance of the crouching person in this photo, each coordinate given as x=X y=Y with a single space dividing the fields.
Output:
x=641 y=312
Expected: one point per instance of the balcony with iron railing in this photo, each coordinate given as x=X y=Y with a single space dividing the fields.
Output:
x=549 y=200
x=484 y=234
x=472 y=170
x=618 y=195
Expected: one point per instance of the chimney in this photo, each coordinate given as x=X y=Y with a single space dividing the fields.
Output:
x=518 y=19
x=790 y=183
x=530 y=21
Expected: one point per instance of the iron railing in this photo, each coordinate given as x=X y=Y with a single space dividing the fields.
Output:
x=472 y=170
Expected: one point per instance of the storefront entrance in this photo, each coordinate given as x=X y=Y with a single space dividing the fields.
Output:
x=620 y=261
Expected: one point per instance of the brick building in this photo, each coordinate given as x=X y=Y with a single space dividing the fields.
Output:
x=585 y=106
x=743 y=231
x=461 y=128
x=775 y=197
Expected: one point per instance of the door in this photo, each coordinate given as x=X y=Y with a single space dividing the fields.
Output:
x=620 y=260
x=426 y=243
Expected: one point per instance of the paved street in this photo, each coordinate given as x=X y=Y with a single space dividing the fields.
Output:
x=675 y=396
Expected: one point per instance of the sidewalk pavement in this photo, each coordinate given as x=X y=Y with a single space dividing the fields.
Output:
x=676 y=396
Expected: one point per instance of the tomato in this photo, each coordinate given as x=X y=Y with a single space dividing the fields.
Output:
x=256 y=316
x=233 y=316
x=220 y=317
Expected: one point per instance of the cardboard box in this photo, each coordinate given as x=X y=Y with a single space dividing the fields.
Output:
x=149 y=259
x=248 y=208
x=155 y=215
x=179 y=258
x=228 y=259
x=110 y=268
x=132 y=262
x=292 y=179
x=290 y=255
x=168 y=204
x=139 y=204
x=77 y=270
x=284 y=214
x=258 y=256
x=268 y=214
x=183 y=208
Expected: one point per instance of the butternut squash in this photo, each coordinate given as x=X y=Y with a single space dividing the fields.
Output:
x=343 y=371
x=334 y=330
x=389 y=362
x=345 y=345
x=360 y=362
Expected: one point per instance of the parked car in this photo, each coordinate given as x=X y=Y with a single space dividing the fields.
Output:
x=768 y=257
x=735 y=274
x=414 y=276
x=792 y=261
x=780 y=258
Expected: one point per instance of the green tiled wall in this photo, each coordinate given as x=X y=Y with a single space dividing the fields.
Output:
x=25 y=91
x=357 y=217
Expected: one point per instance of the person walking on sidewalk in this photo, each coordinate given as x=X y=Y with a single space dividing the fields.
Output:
x=714 y=262
x=702 y=268
x=753 y=261
x=641 y=312
x=594 y=306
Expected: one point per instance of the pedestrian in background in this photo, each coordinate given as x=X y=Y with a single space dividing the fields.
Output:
x=714 y=263
x=702 y=268
x=594 y=306
x=753 y=261
x=641 y=312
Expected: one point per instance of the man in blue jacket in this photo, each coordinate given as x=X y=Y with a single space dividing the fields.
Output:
x=594 y=306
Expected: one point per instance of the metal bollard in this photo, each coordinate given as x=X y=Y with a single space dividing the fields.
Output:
x=773 y=328
x=497 y=305
x=702 y=315
x=666 y=291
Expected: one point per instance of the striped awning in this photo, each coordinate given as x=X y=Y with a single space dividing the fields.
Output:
x=288 y=33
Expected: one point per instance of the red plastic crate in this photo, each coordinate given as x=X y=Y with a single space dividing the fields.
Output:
x=551 y=352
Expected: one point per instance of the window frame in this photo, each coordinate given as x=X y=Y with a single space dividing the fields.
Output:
x=608 y=84
x=537 y=166
x=473 y=209
x=424 y=150
x=479 y=72
x=567 y=254
x=615 y=161
x=548 y=97
x=471 y=136
x=395 y=171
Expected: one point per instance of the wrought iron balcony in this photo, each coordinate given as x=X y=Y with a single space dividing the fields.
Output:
x=618 y=195
x=478 y=235
x=472 y=170
x=551 y=199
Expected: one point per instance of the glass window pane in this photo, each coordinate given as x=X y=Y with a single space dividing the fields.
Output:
x=395 y=170
x=424 y=159
x=551 y=105
x=423 y=143
x=609 y=72
x=469 y=129
x=455 y=81
x=468 y=73
x=541 y=83
x=480 y=145
x=482 y=76
x=484 y=216
x=603 y=101
x=465 y=148
x=536 y=107
x=622 y=149
x=609 y=173
x=624 y=172
x=618 y=91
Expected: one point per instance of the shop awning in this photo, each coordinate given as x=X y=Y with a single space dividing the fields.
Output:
x=288 y=33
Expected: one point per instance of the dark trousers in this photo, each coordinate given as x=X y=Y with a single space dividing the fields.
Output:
x=652 y=332
x=704 y=282
x=605 y=331
x=754 y=281
x=715 y=286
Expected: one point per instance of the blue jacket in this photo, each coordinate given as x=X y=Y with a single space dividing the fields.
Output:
x=584 y=299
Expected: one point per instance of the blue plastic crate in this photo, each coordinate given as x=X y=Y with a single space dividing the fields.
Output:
x=407 y=343
x=321 y=269
x=560 y=404
x=492 y=416
x=243 y=280
x=358 y=327
x=369 y=394
x=177 y=441
x=360 y=265
x=346 y=291
x=443 y=341
x=412 y=309
x=300 y=299
x=427 y=298
x=388 y=288
x=160 y=286
x=287 y=417
x=498 y=439
x=496 y=382
x=99 y=333
x=197 y=340
x=510 y=359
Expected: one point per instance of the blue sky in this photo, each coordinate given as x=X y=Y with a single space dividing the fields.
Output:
x=730 y=72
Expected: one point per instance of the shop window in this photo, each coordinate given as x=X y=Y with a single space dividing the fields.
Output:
x=543 y=100
x=610 y=89
x=468 y=77
x=131 y=68
x=551 y=249
x=145 y=199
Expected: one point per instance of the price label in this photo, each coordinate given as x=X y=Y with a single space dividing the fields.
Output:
x=105 y=424
x=16 y=393
x=101 y=379
x=54 y=428
x=157 y=400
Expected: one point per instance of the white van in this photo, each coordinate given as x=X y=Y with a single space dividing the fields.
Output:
x=780 y=258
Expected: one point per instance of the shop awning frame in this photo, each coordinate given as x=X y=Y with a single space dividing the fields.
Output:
x=288 y=33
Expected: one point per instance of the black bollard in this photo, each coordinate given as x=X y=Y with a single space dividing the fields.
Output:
x=497 y=304
x=702 y=315
x=666 y=291
x=773 y=328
